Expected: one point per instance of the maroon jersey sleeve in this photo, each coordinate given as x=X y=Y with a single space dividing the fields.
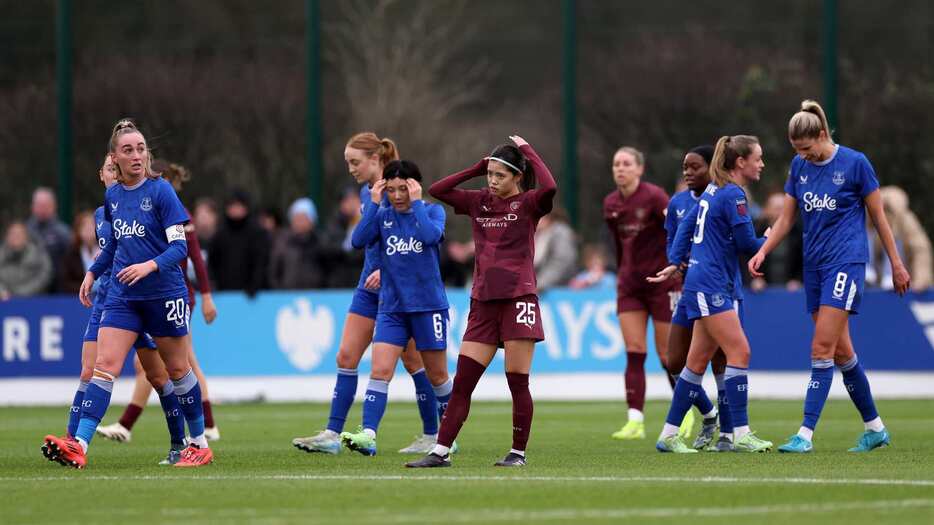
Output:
x=544 y=194
x=446 y=191
x=661 y=203
x=194 y=253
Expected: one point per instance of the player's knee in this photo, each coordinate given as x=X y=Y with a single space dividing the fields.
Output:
x=347 y=358
x=157 y=378
x=437 y=376
x=381 y=373
x=87 y=372
x=822 y=350
x=108 y=364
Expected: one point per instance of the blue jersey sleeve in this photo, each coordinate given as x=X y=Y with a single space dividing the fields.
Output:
x=105 y=258
x=171 y=214
x=867 y=176
x=745 y=236
x=735 y=206
x=681 y=246
x=429 y=221
x=367 y=230
x=671 y=225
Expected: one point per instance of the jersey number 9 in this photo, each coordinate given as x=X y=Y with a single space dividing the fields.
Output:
x=701 y=220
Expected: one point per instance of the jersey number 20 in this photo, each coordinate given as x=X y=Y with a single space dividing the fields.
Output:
x=701 y=220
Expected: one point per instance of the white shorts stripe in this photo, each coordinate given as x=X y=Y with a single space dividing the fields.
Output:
x=702 y=304
x=736 y=306
x=851 y=296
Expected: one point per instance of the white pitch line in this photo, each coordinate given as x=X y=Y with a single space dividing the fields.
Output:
x=544 y=479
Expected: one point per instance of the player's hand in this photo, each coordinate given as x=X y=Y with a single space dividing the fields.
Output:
x=135 y=272
x=663 y=275
x=900 y=278
x=372 y=282
x=415 y=189
x=755 y=263
x=519 y=141
x=208 y=310
x=84 y=292
x=376 y=192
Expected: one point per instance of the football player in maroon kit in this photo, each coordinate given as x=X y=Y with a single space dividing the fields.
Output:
x=503 y=303
x=635 y=215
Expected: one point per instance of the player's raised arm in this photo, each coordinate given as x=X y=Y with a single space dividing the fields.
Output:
x=367 y=230
x=446 y=191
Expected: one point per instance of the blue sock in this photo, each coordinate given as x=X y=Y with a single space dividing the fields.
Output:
x=74 y=415
x=818 y=389
x=427 y=403
x=188 y=392
x=723 y=406
x=857 y=385
x=374 y=403
x=344 y=391
x=687 y=389
x=173 y=414
x=702 y=402
x=443 y=395
x=94 y=406
x=737 y=394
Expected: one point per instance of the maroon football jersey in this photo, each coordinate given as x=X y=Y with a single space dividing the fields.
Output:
x=503 y=229
x=637 y=225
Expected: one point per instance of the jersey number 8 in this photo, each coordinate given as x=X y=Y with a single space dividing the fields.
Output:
x=701 y=220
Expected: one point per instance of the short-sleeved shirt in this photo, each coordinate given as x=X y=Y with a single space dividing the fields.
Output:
x=830 y=197
x=637 y=224
x=714 y=262
x=139 y=217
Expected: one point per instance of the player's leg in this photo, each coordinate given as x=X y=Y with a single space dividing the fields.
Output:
x=633 y=325
x=88 y=356
x=718 y=367
x=519 y=354
x=174 y=353
x=355 y=339
x=429 y=335
x=121 y=431
x=727 y=331
x=424 y=395
x=686 y=389
x=385 y=357
x=857 y=385
x=210 y=426
x=154 y=372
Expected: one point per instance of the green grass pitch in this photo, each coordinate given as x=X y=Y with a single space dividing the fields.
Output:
x=576 y=473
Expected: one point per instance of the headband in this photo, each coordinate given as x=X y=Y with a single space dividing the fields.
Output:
x=511 y=165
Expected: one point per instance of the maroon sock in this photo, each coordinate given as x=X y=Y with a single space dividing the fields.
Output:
x=521 y=409
x=465 y=381
x=208 y=415
x=635 y=380
x=130 y=415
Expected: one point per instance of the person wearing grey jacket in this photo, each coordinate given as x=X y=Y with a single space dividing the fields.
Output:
x=555 y=251
x=25 y=267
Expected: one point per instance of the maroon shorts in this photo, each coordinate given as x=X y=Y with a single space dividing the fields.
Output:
x=492 y=322
x=659 y=302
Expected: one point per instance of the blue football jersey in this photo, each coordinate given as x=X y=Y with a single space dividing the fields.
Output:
x=714 y=255
x=830 y=197
x=681 y=207
x=408 y=245
x=102 y=232
x=139 y=217
x=371 y=258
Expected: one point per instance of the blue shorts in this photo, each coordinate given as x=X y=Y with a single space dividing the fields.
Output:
x=365 y=303
x=90 y=333
x=680 y=314
x=701 y=304
x=165 y=317
x=429 y=329
x=838 y=286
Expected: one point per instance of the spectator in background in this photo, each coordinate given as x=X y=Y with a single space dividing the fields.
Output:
x=205 y=219
x=342 y=262
x=595 y=274
x=80 y=254
x=43 y=225
x=784 y=267
x=240 y=249
x=295 y=263
x=270 y=220
x=25 y=267
x=457 y=260
x=555 y=250
x=910 y=238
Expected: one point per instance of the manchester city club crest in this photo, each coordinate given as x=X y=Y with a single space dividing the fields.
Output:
x=838 y=178
x=514 y=206
x=641 y=213
x=717 y=300
x=145 y=204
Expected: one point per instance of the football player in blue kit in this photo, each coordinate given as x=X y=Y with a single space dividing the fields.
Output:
x=412 y=301
x=156 y=373
x=716 y=231
x=367 y=155
x=147 y=294
x=696 y=171
x=832 y=186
